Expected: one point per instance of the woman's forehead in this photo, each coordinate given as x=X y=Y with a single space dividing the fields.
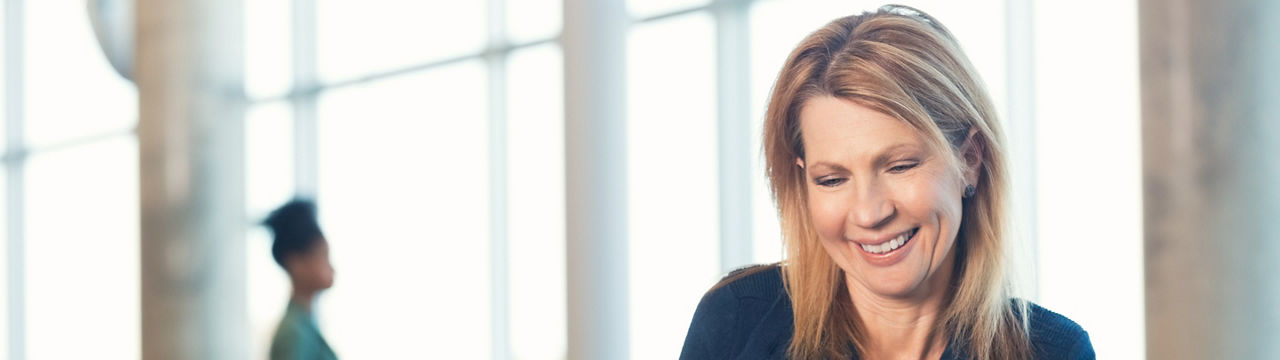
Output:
x=829 y=124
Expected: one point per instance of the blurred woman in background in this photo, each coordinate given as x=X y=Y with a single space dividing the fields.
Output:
x=300 y=248
x=888 y=169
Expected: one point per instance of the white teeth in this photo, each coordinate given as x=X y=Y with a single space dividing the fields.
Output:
x=888 y=246
x=874 y=249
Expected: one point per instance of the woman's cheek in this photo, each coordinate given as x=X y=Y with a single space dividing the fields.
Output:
x=828 y=215
x=927 y=193
x=946 y=196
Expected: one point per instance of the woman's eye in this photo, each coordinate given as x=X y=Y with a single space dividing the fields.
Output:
x=830 y=182
x=903 y=167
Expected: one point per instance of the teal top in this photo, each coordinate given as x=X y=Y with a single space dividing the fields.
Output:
x=298 y=337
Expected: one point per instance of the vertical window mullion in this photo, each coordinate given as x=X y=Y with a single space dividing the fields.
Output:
x=1021 y=122
x=734 y=134
x=495 y=60
x=15 y=157
x=304 y=92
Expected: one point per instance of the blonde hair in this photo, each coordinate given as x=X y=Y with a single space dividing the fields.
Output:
x=903 y=63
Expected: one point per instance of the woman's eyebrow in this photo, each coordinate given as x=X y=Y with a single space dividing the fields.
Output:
x=825 y=165
x=882 y=157
x=890 y=151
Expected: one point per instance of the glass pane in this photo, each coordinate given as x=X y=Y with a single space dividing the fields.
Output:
x=269 y=156
x=82 y=270
x=356 y=38
x=536 y=209
x=673 y=179
x=268 y=47
x=647 y=8
x=404 y=198
x=766 y=232
x=268 y=184
x=1071 y=192
x=71 y=89
x=533 y=19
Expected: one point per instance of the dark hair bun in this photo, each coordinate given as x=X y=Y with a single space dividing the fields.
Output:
x=295 y=228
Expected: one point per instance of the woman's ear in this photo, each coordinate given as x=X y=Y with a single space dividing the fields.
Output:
x=800 y=162
x=972 y=152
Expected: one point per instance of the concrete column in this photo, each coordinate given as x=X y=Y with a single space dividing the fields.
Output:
x=1211 y=144
x=190 y=134
x=594 y=43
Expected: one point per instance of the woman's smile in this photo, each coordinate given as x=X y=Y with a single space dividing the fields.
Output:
x=883 y=245
x=887 y=252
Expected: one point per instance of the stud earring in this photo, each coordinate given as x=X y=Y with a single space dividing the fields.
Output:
x=970 y=191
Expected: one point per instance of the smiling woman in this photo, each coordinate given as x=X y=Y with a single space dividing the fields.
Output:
x=887 y=166
x=885 y=205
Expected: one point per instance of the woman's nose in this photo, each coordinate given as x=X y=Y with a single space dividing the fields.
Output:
x=871 y=208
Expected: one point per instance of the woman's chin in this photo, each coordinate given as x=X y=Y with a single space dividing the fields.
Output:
x=893 y=286
x=899 y=281
x=901 y=278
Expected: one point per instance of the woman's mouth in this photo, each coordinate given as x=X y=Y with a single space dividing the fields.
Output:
x=891 y=245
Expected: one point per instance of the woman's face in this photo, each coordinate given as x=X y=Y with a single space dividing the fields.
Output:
x=311 y=269
x=885 y=205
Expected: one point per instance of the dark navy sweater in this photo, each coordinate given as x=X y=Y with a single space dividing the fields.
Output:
x=750 y=318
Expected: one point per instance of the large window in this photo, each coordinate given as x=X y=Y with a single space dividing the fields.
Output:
x=673 y=178
x=71 y=263
x=1089 y=172
x=431 y=136
x=535 y=199
x=82 y=257
x=409 y=231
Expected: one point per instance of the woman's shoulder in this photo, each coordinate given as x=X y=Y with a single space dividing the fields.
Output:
x=756 y=281
x=1054 y=336
x=748 y=292
x=746 y=312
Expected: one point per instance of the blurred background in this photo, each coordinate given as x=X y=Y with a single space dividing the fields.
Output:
x=449 y=147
